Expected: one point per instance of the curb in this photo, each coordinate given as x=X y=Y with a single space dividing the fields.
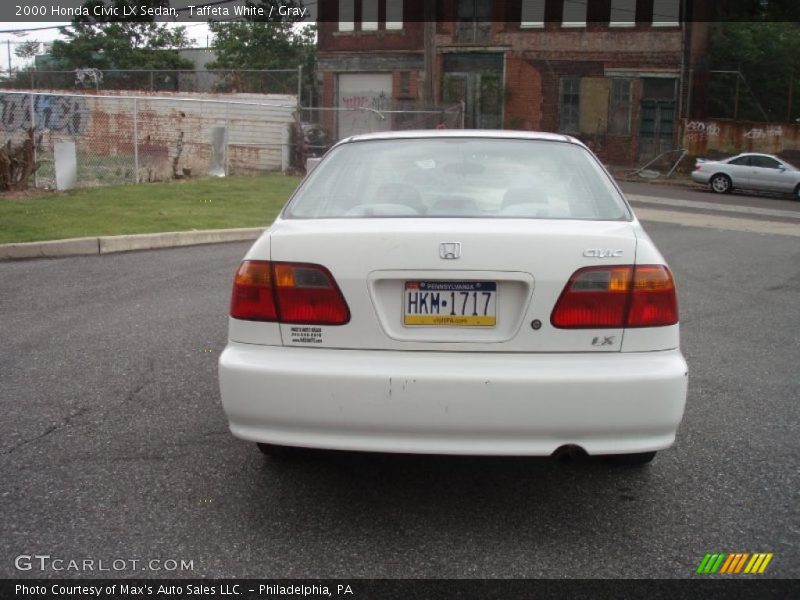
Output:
x=125 y=243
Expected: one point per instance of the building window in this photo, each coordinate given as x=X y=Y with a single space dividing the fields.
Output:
x=666 y=13
x=619 y=108
x=623 y=13
x=473 y=21
x=394 y=14
x=369 y=15
x=405 y=83
x=532 y=13
x=574 y=13
x=347 y=15
x=570 y=104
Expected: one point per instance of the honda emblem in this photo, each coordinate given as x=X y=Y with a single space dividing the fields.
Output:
x=450 y=250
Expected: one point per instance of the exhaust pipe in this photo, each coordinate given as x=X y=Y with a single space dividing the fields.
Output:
x=569 y=454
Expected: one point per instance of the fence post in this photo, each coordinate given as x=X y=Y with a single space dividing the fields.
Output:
x=227 y=138
x=33 y=127
x=299 y=85
x=135 y=141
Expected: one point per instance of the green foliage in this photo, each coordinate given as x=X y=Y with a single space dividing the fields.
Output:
x=258 y=43
x=123 y=44
x=28 y=49
x=768 y=56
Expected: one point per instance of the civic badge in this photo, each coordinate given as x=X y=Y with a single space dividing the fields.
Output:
x=450 y=250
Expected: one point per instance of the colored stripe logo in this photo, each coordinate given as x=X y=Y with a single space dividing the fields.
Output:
x=734 y=563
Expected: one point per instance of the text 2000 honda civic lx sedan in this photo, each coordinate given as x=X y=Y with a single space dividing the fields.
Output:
x=456 y=292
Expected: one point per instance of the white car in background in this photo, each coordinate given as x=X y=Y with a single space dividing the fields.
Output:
x=749 y=171
x=456 y=292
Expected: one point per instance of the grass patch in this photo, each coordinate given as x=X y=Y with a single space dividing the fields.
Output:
x=146 y=208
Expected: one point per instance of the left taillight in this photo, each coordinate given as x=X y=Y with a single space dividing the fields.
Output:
x=297 y=293
x=253 y=297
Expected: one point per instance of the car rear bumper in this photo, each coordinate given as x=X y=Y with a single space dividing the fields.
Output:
x=453 y=402
x=700 y=177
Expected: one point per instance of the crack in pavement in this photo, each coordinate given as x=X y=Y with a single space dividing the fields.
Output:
x=50 y=430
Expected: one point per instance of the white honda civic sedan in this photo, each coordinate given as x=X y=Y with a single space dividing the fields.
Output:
x=456 y=292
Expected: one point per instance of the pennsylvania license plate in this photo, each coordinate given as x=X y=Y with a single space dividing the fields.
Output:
x=450 y=303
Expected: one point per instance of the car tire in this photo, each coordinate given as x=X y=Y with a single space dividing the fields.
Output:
x=796 y=194
x=720 y=183
x=279 y=452
x=637 y=459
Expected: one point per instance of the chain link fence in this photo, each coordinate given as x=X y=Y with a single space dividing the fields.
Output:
x=86 y=140
x=94 y=140
x=323 y=127
x=247 y=81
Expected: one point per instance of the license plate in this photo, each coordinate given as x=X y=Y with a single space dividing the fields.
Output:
x=450 y=303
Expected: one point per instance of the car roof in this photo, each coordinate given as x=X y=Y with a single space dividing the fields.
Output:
x=756 y=154
x=462 y=133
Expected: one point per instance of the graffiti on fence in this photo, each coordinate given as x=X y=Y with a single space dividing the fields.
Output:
x=761 y=133
x=64 y=114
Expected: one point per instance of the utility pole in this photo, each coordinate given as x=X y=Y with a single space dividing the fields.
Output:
x=791 y=92
x=8 y=47
x=736 y=96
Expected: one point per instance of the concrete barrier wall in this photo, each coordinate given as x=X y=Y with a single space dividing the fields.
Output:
x=173 y=131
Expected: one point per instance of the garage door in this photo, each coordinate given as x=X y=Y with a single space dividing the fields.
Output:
x=360 y=91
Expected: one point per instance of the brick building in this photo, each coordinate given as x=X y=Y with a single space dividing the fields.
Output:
x=611 y=72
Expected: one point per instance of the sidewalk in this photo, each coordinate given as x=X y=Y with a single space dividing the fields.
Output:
x=124 y=243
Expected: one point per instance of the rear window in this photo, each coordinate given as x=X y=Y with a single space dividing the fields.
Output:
x=458 y=177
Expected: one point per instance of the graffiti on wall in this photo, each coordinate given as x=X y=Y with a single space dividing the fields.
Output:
x=379 y=101
x=762 y=133
x=64 y=114
x=698 y=130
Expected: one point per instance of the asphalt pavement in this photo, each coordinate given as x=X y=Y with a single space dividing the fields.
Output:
x=114 y=445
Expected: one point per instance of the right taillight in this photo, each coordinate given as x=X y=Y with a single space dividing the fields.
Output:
x=297 y=293
x=617 y=296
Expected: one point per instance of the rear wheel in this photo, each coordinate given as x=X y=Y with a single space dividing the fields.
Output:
x=720 y=183
x=633 y=460
x=797 y=192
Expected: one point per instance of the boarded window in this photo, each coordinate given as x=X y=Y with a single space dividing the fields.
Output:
x=623 y=13
x=532 y=13
x=569 y=104
x=619 y=109
x=574 y=13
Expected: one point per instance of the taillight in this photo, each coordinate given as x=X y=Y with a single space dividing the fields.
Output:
x=253 y=298
x=653 y=300
x=617 y=296
x=288 y=293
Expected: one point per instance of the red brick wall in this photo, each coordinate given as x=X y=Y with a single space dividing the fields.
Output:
x=328 y=119
x=330 y=39
x=523 y=95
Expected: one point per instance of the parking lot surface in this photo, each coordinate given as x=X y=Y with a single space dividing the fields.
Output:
x=113 y=443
